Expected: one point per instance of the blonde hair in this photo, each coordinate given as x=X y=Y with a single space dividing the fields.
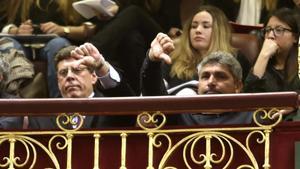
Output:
x=23 y=6
x=186 y=58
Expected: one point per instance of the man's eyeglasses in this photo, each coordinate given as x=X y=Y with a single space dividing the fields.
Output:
x=278 y=31
x=75 y=70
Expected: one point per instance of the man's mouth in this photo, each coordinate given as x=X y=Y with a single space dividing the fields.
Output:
x=71 y=87
x=212 y=92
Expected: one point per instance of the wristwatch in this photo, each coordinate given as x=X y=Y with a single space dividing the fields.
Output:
x=66 y=30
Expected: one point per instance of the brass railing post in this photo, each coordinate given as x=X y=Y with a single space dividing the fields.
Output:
x=96 y=151
x=69 y=151
x=267 y=150
x=208 y=152
x=12 y=142
x=150 y=151
x=123 y=151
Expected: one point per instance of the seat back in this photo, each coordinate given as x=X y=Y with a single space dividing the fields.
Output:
x=248 y=44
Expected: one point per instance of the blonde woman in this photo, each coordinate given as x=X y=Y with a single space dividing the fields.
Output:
x=206 y=32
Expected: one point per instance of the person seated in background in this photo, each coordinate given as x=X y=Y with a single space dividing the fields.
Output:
x=124 y=38
x=28 y=17
x=276 y=67
x=78 y=71
x=219 y=73
x=7 y=122
x=205 y=32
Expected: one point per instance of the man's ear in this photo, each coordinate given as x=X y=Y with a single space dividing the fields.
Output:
x=238 y=86
x=94 y=78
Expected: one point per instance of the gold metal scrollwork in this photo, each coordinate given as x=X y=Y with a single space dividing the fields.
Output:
x=263 y=118
x=29 y=144
x=208 y=158
x=150 y=121
x=69 y=121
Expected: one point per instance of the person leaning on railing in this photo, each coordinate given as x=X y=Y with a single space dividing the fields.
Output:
x=7 y=122
x=78 y=70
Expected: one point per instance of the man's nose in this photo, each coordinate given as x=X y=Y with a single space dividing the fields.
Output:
x=70 y=73
x=211 y=80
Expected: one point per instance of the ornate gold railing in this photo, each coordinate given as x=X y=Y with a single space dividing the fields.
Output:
x=184 y=147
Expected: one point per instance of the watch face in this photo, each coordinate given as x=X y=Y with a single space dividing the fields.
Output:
x=66 y=30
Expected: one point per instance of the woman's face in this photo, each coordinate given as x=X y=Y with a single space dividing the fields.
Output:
x=200 y=32
x=281 y=33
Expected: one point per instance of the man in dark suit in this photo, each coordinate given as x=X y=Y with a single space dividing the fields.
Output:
x=79 y=69
x=7 y=122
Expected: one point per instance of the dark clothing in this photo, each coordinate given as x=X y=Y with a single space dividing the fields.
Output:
x=214 y=119
x=92 y=121
x=124 y=40
x=109 y=37
x=153 y=73
x=167 y=14
x=10 y=122
x=272 y=81
x=229 y=7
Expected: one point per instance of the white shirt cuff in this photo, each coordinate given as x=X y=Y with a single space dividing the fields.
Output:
x=111 y=79
x=6 y=28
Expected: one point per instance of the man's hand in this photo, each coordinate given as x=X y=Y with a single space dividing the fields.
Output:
x=161 y=47
x=282 y=112
x=91 y=57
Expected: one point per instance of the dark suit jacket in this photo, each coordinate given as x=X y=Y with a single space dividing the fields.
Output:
x=10 y=122
x=49 y=122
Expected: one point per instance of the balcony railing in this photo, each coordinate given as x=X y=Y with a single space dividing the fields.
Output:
x=151 y=146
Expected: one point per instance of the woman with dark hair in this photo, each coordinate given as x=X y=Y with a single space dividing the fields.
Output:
x=276 y=68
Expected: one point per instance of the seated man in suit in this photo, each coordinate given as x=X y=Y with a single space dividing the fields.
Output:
x=7 y=122
x=78 y=71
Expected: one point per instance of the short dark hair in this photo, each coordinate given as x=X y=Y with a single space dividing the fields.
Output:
x=62 y=54
x=65 y=53
x=226 y=59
